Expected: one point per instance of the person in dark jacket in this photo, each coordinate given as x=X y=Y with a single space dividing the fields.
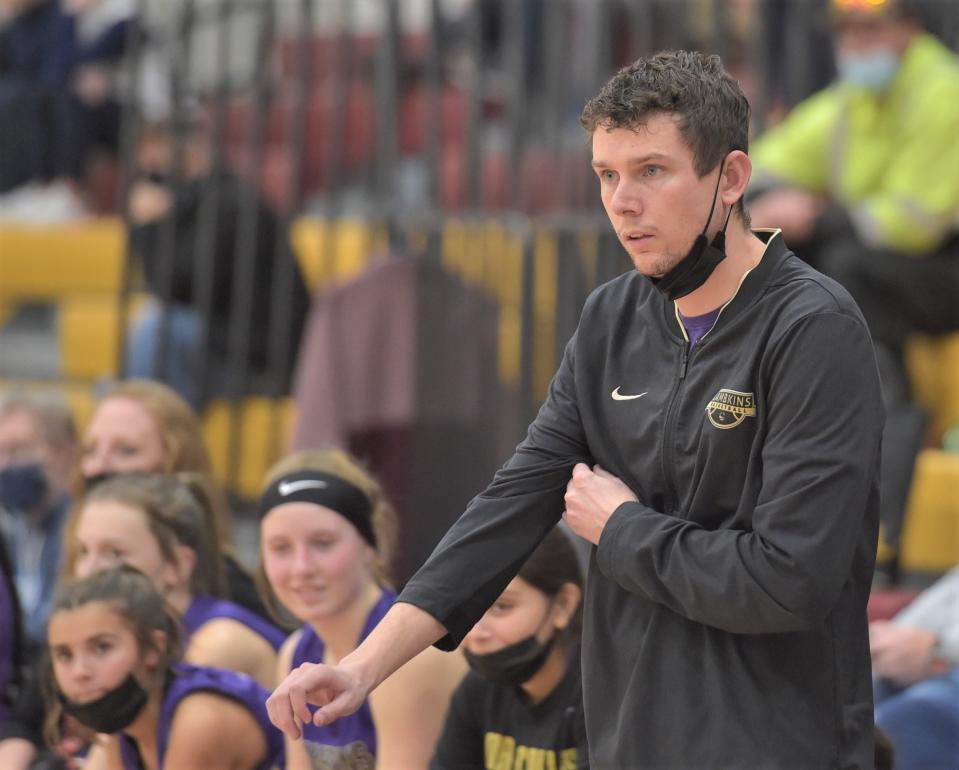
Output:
x=37 y=120
x=58 y=100
x=200 y=229
x=713 y=432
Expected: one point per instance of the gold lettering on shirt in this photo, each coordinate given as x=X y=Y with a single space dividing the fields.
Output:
x=502 y=753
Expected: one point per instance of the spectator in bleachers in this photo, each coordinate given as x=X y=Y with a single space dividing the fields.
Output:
x=102 y=35
x=58 y=100
x=144 y=426
x=194 y=221
x=326 y=533
x=37 y=142
x=863 y=177
x=38 y=452
x=115 y=668
x=915 y=659
x=164 y=527
x=525 y=692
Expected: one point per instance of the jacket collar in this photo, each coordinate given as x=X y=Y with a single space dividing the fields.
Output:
x=750 y=289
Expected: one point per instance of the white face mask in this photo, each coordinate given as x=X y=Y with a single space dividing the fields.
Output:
x=872 y=70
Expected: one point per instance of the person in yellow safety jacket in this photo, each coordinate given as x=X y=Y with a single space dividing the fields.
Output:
x=863 y=177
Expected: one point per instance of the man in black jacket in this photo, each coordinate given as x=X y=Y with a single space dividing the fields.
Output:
x=713 y=431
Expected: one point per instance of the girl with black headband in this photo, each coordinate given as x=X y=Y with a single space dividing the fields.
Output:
x=326 y=531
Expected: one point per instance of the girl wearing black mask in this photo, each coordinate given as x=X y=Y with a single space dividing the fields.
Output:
x=113 y=663
x=522 y=704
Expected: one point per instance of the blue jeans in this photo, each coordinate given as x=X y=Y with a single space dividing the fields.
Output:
x=182 y=327
x=923 y=723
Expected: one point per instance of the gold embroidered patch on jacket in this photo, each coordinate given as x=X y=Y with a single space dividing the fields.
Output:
x=728 y=408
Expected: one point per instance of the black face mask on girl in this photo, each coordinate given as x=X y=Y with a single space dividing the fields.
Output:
x=512 y=665
x=516 y=663
x=111 y=712
x=693 y=270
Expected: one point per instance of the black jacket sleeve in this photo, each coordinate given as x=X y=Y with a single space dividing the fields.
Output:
x=501 y=527
x=819 y=462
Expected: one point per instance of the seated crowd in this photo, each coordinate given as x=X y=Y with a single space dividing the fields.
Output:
x=125 y=684
x=156 y=651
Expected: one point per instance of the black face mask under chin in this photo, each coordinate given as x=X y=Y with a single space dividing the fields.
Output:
x=693 y=270
x=111 y=712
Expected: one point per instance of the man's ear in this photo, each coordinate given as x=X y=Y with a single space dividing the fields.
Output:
x=736 y=174
x=565 y=604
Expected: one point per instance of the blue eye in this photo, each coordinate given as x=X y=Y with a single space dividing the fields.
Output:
x=653 y=170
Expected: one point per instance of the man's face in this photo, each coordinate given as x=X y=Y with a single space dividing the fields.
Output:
x=655 y=200
x=22 y=442
x=155 y=153
x=858 y=34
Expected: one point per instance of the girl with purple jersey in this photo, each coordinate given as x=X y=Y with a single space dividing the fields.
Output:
x=326 y=532
x=113 y=651
x=162 y=526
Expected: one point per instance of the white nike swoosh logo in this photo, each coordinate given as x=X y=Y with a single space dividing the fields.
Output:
x=617 y=396
x=289 y=487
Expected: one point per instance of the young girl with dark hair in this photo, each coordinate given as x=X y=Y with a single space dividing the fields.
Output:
x=522 y=703
x=113 y=652
x=162 y=526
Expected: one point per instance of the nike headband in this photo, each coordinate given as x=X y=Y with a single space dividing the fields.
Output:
x=326 y=489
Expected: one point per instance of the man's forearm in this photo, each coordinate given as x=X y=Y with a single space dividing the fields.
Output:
x=403 y=633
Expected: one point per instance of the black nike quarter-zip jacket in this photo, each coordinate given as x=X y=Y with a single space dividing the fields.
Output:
x=725 y=614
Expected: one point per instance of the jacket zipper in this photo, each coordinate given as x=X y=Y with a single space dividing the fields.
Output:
x=671 y=497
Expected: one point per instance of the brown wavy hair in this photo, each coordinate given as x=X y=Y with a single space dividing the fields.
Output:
x=710 y=108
